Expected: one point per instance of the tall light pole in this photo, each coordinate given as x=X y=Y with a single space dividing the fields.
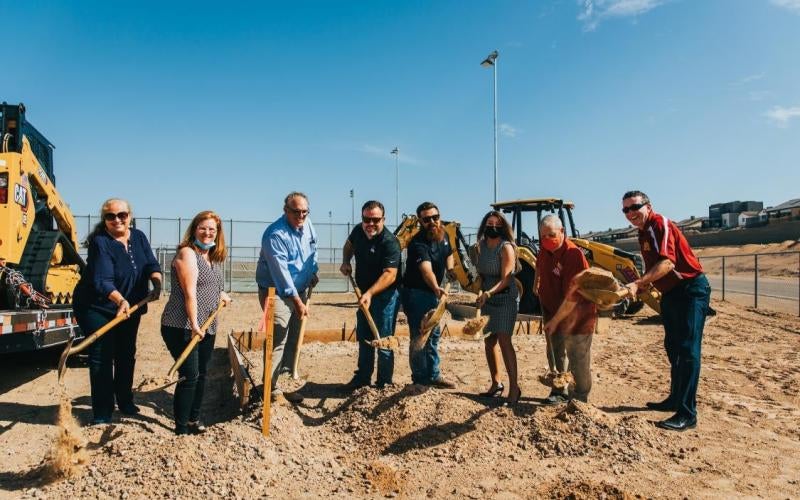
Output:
x=353 y=208
x=396 y=153
x=491 y=61
x=330 y=232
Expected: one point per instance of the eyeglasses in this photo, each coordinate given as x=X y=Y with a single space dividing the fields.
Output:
x=298 y=212
x=429 y=219
x=109 y=217
x=371 y=220
x=634 y=207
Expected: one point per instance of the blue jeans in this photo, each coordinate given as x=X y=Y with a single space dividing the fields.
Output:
x=383 y=309
x=425 y=363
x=683 y=310
x=111 y=360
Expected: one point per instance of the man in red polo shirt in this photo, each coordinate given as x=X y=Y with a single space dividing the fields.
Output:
x=673 y=269
x=570 y=319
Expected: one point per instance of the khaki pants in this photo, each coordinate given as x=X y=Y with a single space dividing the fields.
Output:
x=573 y=352
x=285 y=334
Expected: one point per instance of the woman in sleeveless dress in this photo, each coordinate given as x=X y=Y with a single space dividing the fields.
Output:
x=498 y=300
x=196 y=291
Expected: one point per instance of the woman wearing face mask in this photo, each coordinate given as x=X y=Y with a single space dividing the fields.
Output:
x=196 y=291
x=498 y=300
x=119 y=265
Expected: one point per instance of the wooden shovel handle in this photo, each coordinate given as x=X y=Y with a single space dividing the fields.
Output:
x=195 y=339
x=105 y=328
x=373 y=328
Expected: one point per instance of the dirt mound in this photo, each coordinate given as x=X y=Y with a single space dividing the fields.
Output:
x=582 y=490
x=580 y=429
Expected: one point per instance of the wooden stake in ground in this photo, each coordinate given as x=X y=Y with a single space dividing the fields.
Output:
x=269 y=317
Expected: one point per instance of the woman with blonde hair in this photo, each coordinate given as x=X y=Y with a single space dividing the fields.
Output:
x=118 y=266
x=498 y=300
x=196 y=291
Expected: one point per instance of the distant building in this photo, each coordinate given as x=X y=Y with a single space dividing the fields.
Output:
x=717 y=210
x=753 y=219
x=730 y=220
x=693 y=223
x=788 y=210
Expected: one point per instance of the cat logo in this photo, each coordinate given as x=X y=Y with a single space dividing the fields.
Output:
x=21 y=195
x=646 y=246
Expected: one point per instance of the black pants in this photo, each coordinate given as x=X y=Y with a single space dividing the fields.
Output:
x=111 y=360
x=189 y=392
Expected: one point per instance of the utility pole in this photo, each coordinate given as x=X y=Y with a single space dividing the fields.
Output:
x=396 y=153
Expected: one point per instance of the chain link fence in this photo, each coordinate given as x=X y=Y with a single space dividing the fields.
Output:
x=767 y=280
x=243 y=239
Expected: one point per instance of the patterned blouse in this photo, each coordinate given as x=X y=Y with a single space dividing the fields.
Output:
x=209 y=286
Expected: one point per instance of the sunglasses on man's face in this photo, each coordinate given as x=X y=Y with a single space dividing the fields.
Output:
x=634 y=207
x=298 y=212
x=371 y=220
x=109 y=217
x=430 y=218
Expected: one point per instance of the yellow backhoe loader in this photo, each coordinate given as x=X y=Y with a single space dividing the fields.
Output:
x=39 y=261
x=625 y=266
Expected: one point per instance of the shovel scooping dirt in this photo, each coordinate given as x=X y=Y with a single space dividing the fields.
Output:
x=600 y=287
x=430 y=321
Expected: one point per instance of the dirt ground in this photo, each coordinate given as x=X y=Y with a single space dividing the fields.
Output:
x=412 y=441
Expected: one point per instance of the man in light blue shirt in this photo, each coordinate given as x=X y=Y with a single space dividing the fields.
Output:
x=288 y=262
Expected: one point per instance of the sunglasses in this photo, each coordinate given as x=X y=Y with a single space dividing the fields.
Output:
x=109 y=217
x=429 y=219
x=298 y=212
x=371 y=220
x=634 y=207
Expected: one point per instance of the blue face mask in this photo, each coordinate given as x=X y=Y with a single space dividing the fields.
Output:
x=203 y=246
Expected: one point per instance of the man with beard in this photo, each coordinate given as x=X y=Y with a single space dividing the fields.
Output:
x=377 y=253
x=288 y=262
x=570 y=319
x=676 y=272
x=429 y=257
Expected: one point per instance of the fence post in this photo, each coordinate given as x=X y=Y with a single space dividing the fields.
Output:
x=179 y=231
x=150 y=229
x=723 y=278
x=755 y=289
x=230 y=260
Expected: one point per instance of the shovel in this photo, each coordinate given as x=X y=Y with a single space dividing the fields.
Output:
x=473 y=328
x=431 y=321
x=69 y=350
x=603 y=299
x=389 y=342
x=553 y=378
x=296 y=362
x=186 y=351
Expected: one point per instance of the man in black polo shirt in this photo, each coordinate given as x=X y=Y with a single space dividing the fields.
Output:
x=377 y=253
x=429 y=257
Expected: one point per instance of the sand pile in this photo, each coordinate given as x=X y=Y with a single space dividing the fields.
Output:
x=580 y=429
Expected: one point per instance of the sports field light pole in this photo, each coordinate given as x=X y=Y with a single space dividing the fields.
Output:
x=352 y=208
x=330 y=233
x=491 y=61
x=396 y=153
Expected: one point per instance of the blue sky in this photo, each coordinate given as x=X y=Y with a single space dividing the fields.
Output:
x=183 y=106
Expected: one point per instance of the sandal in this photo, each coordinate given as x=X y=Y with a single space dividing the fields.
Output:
x=493 y=393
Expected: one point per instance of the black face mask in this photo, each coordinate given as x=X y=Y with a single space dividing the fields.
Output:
x=491 y=232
